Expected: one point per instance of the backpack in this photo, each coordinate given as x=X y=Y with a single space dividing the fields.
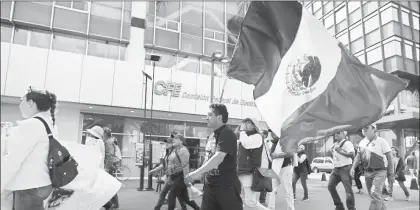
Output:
x=62 y=166
x=117 y=151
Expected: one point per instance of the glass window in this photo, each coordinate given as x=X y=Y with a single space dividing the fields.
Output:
x=168 y=10
x=80 y=5
x=389 y=14
x=127 y=5
x=191 y=30
x=356 y=32
x=357 y=45
x=392 y=48
x=340 y=15
x=371 y=24
x=206 y=68
x=374 y=55
x=343 y=39
x=105 y=21
x=189 y=64
x=232 y=39
x=405 y=18
x=415 y=6
x=215 y=16
x=103 y=49
x=191 y=44
x=167 y=39
x=410 y=137
x=328 y=161
x=192 y=14
x=355 y=16
x=167 y=60
x=416 y=22
x=418 y=53
x=370 y=7
x=329 y=21
x=408 y=51
x=353 y=5
x=391 y=29
x=5 y=7
x=233 y=10
x=328 y=7
x=21 y=36
x=115 y=4
x=150 y=7
x=362 y=58
x=317 y=5
x=70 y=20
x=40 y=38
x=123 y=52
x=373 y=38
x=69 y=43
x=63 y=3
x=126 y=31
x=6 y=33
x=31 y=12
x=211 y=46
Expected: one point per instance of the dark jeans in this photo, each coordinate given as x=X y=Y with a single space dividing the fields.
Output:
x=263 y=196
x=179 y=189
x=222 y=197
x=357 y=174
x=303 y=177
x=165 y=190
x=114 y=200
x=341 y=174
x=31 y=199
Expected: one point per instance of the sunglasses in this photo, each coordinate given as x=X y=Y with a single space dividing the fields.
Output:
x=33 y=89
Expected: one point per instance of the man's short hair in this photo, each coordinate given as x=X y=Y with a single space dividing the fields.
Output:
x=220 y=109
x=264 y=132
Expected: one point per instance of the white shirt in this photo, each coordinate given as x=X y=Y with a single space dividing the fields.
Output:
x=339 y=159
x=266 y=150
x=25 y=161
x=99 y=143
x=373 y=152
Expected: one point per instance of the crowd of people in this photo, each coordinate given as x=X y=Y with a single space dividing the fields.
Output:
x=232 y=158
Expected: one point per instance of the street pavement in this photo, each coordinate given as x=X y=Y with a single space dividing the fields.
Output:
x=320 y=198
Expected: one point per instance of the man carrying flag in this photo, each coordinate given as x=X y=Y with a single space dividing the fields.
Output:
x=307 y=84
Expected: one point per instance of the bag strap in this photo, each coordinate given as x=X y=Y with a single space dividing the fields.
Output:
x=47 y=128
x=265 y=149
x=342 y=143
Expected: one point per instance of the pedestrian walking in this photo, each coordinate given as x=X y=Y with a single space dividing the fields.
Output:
x=285 y=166
x=357 y=173
x=222 y=187
x=265 y=162
x=301 y=172
x=343 y=152
x=169 y=182
x=25 y=158
x=399 y=176
x=250 y=151
x=411 y=162
x=94 y=137
x=112 y=161
x=375 y=155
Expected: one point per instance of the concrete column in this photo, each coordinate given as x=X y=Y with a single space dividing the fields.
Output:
x=135 y=50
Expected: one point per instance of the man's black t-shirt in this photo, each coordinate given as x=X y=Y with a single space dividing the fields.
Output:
x=287 y=161
x=224 y=140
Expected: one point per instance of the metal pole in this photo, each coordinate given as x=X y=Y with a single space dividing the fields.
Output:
x=212 y=81
x=144 y=149
x=150 y=177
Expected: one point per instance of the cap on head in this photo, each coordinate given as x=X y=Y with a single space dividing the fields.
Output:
x=96 y=131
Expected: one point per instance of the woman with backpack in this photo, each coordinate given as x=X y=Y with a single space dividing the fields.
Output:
x=301 y=172
x=112 y=160
x=250 y=151
x=27 y=174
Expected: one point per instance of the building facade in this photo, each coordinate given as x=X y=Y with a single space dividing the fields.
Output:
x=92 y=55
x=384 y=35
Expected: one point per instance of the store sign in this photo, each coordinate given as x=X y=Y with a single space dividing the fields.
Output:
x=139 y=154
x=164 y=88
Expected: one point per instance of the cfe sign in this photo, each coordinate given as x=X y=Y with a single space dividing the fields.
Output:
x=163 y=88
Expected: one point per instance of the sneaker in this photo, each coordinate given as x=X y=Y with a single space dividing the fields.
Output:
x=305 y=199
x=389 y=198
x=407 y=198
x=360 y=191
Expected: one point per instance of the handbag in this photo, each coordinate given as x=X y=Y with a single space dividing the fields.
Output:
x=262 y=177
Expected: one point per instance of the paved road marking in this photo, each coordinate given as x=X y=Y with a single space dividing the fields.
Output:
x=411 y=207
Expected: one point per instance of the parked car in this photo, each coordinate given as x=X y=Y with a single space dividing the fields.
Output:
x=322 y=164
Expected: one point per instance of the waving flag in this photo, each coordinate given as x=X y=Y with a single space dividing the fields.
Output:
x=306 y=83
x=92 y=187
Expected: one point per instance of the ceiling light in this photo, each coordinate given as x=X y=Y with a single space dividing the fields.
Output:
x=217 y=55
x=91 y=107
x=131 y=111
x=224 y=60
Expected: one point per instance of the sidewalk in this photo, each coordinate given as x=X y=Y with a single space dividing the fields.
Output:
x=318 y=176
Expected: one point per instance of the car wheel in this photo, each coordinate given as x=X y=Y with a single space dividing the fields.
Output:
x=315 y=170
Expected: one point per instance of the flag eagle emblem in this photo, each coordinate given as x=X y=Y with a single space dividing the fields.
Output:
x=302 y=74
